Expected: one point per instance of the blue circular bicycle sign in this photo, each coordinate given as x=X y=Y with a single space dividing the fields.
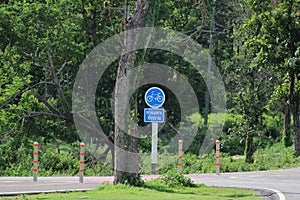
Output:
x=155 y=97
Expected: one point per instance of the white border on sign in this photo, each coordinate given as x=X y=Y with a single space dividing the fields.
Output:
x=164 y=97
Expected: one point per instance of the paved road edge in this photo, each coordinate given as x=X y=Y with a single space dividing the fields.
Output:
x=6 y=194
x=266 y=193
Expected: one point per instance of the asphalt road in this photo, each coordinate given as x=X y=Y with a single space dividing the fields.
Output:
x=280 y=184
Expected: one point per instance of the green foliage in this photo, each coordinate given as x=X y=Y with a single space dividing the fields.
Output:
x=145 y=144
x=176 y=179
x=134 y=181
x=232 y=136
x=130 y=179
x=16 y=158
x=275 y=156
x=196 y=120
x=234 y=129
x=62 y=163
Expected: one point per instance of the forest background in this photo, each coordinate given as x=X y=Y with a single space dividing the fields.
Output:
x=43 y=43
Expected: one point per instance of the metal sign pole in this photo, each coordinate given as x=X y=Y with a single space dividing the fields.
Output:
x=154 y=147
x=154 y=98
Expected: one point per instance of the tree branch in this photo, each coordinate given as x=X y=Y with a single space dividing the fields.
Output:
x=12 y=97
x=38 y=96
x=56 y=83
x=31 y=113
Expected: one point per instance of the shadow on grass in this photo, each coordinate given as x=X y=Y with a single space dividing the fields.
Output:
x=156 y=185
x=160 y=187
x=238 y=195
x=167 y=189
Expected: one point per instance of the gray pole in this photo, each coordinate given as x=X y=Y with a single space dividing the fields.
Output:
x=154 y=147
x=126 y=10
x=212 y=27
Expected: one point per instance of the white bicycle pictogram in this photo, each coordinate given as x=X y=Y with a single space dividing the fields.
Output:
x=155 y=96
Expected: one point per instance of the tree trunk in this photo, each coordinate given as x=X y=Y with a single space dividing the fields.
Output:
x=297 y=131
x=126 y=159
x=123 y=163
x=287 y=126
x=294 y=97
x=249 y=147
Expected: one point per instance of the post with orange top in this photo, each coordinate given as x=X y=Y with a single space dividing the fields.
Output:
x=179 y=155
x=218 y=157
x=35 y=160
x=81 y=162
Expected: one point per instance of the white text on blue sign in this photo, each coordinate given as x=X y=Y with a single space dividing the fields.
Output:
x=154 y=115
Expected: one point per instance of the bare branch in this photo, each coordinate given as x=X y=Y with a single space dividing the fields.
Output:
x=31 y=113
x=175 y=129
x=56 y=82
x=38 y=96
x=12 y=97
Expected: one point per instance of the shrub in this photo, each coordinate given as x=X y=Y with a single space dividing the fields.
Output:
x=62 y=163
x=176 y=179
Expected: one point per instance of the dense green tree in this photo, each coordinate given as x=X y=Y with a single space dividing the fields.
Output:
x=276 y=47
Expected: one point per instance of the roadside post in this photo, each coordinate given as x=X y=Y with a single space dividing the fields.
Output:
x=179 y=155
x=35 y=160
x=81 y=162
x=218 y=157
x=154 y=98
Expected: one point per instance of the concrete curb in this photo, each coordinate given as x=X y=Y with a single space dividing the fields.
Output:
x=266 y=193
x=6 y=194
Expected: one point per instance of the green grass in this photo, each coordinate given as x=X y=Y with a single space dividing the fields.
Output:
x=149 y=192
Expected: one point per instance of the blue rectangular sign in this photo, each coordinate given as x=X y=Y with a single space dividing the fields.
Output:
x=154 y=115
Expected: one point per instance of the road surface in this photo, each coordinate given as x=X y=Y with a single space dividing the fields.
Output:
x=279 y=184
x=285 y=183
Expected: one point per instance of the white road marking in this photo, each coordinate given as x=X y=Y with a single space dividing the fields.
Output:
x=279 y=194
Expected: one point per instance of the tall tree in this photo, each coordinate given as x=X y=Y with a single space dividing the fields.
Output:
x=276 y=46
x=127 y=169
x=269 y=44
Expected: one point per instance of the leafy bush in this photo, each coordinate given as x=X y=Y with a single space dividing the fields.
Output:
x=62 y=163
x=175 y=179
x=233 y=135
x=134 y=181
x=233 y=139
x=169 y=180
x=15 y=158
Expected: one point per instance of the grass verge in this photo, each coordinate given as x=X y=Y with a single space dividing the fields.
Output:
x=151 y=190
